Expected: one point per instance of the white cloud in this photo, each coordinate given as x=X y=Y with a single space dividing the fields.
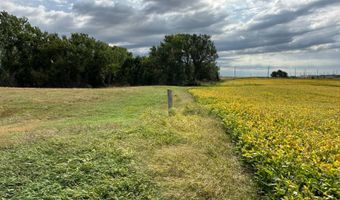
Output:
x=50 y=20
x=60 y=1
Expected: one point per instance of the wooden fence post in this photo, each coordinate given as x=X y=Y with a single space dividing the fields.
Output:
x=170 y=100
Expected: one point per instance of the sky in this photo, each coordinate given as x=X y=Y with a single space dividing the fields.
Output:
x=298 y=36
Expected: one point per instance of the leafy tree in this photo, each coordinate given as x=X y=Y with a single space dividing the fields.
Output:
x=16 y=37
x=279 y=74
x=186 y=59
x=131 y=72
x=153 y=73
x=30 y=57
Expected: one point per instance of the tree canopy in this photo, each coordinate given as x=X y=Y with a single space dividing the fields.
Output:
x=30 y=57
x=186 y=59
x=279 y=74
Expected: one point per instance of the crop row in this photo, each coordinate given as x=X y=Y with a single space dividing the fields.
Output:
x=288 y=133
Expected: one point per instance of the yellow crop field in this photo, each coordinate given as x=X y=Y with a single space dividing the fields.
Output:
x=288 y=130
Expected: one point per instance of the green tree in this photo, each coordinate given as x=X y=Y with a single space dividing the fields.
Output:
x=186 y=59
x=17 y=40
x=30 y=57
x=279 y=74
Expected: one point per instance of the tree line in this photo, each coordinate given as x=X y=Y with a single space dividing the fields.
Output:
x=30 y=57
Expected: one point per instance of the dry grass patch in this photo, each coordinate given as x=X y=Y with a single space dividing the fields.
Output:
x=200 y=161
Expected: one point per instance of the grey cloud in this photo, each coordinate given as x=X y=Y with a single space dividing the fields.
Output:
x=121 y=22
x=162 y=6
x=246 y=40
x=286 y=16
x=295 y=41
x=104 y=15
x=283 y=32
x=197 y=20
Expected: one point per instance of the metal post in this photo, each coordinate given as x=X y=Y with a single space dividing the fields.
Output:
x=170 y=100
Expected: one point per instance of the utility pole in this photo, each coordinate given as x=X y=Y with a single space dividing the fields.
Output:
x=234 y=72
x=295 y=72
x=268 y=72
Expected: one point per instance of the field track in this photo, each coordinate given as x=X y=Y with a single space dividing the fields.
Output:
x=114 y=143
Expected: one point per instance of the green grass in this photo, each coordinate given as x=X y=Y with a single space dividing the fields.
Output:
x=116 y=143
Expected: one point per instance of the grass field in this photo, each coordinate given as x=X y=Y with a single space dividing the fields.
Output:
x=287 y=130
x=116 y=143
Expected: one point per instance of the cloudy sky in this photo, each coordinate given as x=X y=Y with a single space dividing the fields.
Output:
x=250 y=35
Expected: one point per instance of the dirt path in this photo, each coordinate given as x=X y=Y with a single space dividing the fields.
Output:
x=202 y=164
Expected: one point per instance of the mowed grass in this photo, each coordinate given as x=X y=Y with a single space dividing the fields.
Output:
x=287 y=129
x=116 y=143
